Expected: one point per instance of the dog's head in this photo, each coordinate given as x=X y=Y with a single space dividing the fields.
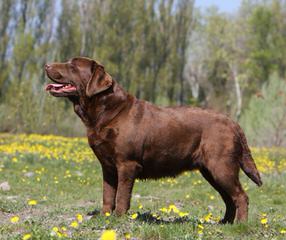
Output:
x=78 y=77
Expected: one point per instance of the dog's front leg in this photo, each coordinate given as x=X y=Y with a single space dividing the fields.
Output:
x=109 y=189
x=127 y=172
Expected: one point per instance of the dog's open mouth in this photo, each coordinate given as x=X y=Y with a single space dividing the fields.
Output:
x=60 y=88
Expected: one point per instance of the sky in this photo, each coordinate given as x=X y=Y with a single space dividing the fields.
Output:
x=228 y=6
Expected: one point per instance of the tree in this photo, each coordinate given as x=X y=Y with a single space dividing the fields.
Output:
x=5 y=15
x=68 y=31
x=264 y=120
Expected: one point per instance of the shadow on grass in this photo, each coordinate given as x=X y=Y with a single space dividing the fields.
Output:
x=148 y=217
x=153 y=218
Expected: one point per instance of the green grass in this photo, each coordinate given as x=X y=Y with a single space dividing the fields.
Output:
x=64 y=188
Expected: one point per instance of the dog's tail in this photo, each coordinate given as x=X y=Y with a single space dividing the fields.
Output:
x=246 y=162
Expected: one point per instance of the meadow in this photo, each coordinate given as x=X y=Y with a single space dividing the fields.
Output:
x=50 y=183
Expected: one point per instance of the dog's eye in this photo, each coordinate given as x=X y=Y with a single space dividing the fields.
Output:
x=72 y=68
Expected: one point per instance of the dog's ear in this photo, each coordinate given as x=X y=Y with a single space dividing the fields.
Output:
x=99 y=81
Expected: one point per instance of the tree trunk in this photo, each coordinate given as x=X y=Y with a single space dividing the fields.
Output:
x=237 y=91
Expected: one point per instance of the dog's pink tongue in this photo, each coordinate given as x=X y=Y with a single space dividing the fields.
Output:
x=53 y=85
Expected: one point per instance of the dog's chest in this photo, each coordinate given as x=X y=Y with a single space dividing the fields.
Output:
x=103 y=143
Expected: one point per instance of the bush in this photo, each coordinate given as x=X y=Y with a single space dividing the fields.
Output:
x=264 y=121
x=28 y=108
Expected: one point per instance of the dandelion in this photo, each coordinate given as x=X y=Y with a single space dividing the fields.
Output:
x=59 y=232
x=63 y=232
x=108 y=235
x=207 y=218
x=200 y=229
x=79 y=218
x=32 y=202
x=183 y=214
x=27 y=236
x=264 y=221
x=107 y=214
x=173 y=208
x=14 y=219
x=156 y=216
x=74 y=224
x=200 y=226
x=134 y=215
x=165 y=210
x=127 y=236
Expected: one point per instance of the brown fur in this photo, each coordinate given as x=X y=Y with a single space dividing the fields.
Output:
x=135 y=139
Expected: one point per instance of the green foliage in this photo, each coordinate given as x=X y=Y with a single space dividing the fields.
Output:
x=68 y=32
x=137 y=45
x=261 y=55
x=163 y=51
x=265 y=118
x=28 y=109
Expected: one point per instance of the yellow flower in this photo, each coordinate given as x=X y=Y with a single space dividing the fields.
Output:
x=140 y=206
x=200 y=229
x=26 y=236
x=200 y=226
x=283 y=231
x=14 y=219
x=108 y=235
x=207 y=218
x=107 y=214
x=127 y=235
x=163 y=209
x=183 y=214
x=32 y=202
x=55 y=229
x=74 y=224
x=264 y=220
x=173 y=208
x=79 y=218
x=134 y=215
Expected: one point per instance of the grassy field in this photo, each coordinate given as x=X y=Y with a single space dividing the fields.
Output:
x=54 y=182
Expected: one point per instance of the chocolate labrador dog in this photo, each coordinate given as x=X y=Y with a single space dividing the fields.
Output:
x=133 y=138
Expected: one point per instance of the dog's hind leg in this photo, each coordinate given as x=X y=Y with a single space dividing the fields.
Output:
x=229 y=204
x=224 y=177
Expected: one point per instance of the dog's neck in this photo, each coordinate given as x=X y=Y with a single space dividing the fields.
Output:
x=98 y=111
